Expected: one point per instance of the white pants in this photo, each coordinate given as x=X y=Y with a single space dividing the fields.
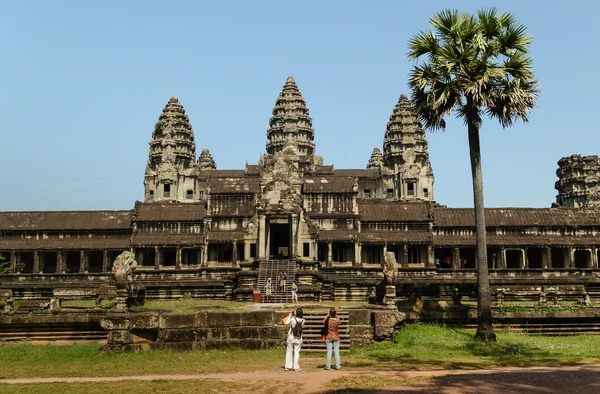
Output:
x=292 y=347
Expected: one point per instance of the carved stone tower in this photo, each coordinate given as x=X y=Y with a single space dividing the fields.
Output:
x=405 y=154
x=376 y=160
x=578 y=182
x=291 y=120
x=206 y=161
x=172 y=155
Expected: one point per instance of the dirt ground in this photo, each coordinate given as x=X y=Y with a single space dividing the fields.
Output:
x=580 y=379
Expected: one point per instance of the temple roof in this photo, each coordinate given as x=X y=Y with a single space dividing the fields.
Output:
x=329 y=184
x=507 y=217
x=404 y=130
x=65 y=220
x=384 y=211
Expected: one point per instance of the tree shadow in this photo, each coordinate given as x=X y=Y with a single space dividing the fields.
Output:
x=584 y=379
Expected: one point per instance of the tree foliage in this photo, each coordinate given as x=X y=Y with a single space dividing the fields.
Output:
x=473 y=65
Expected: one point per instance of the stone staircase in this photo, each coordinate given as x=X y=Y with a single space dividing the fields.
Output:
x=270 y=269
x=311 y=336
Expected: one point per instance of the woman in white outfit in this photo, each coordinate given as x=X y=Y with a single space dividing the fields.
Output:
x=294 y=342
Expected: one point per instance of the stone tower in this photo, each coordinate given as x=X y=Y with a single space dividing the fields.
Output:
x=405 y=154
x=172 y=156
x=376 y=160
x=578 y=182
x=206 y=161
x=291 y=120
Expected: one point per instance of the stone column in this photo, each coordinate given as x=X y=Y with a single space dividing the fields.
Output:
x=405 y=256
x=501 y=260
x=59 y=263
x=81 y=261
x=105 y=261
x=178 y=259
x=329 y=254
x=36 y=262
x=262 y=228
x=156 y=258
x=205 y=255
x=234 y=254
x=357 y=254
x=430 y=263
x=13 y=261
x=293 y=252
x=594 y=260
x=548 y=260
x=199 y=259
x=570 y=258
x=525 y=264
x=384 y=253
x=246 y=250
x=455 y=258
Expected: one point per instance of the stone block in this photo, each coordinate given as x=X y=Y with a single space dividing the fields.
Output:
x=268 y=333
x=385 y=323
x=243 y=333
x=176 y=335
x=257 y=318
x=359 y=316
x=119 y=336
x=112 y=348
x=143 y=321
x=203 y=334
x=115 y=323
x=361 y=335
x=173 y=346
x=136 y=347
x=224 y=319
x=178 y=320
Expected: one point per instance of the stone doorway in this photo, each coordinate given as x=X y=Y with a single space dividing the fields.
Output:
x=279 y=240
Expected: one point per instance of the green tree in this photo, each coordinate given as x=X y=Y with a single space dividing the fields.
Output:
x=5 y=266
x=472 y=66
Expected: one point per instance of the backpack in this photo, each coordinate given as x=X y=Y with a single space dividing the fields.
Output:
x=297 y=329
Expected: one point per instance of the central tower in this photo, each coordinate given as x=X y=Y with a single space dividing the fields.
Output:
x=291 y=121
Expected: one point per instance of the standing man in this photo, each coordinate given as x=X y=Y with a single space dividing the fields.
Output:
x=333 y=338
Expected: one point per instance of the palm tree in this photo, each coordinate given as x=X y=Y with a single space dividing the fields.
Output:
x=472 y=65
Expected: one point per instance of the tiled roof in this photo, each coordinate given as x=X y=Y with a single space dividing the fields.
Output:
x=67 y=220
x=234 y=185
x=500 y=217
x=329 y=184
x=384 y=211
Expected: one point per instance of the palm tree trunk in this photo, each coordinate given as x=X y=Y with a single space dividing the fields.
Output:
x=485 y=330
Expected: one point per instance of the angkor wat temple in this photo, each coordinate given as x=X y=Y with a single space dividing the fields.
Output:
x=202 y=232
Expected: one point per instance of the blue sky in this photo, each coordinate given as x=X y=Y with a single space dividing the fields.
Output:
x=83 y=83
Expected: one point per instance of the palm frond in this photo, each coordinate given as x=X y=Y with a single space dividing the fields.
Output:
x=423 y=43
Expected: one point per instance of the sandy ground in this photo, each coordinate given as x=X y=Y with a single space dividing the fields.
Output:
x=581 y=379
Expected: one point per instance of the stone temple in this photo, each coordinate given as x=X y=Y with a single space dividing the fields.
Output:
x=202 y=232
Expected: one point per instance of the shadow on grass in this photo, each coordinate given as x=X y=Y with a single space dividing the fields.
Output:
x=573 y=380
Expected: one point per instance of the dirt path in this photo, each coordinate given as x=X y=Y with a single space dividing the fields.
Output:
x=581 y=379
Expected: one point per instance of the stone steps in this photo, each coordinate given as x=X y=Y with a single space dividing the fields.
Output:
x=311 y=336
x=270 y=269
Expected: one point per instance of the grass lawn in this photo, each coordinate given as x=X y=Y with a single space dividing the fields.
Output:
x=144 y=387
x=417 y=347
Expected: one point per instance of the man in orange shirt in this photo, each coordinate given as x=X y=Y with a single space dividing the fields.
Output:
x=333 y=338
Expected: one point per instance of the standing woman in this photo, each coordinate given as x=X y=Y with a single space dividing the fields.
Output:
x=295 y=325
x=333 y=338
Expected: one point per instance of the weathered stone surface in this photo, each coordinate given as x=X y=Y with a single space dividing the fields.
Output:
x=144 y=321
x=223 y=319
x=578 y=182
x=177 y=335
x=361 y=335
x=385 y=323
x=359 y=316
x=178 y=320
x=119 y=336
x=257 y=318
x=115 y=323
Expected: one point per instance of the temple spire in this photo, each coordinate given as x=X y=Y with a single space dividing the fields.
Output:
x=376 y=160
x=291 y=120
x=405 y=152
x=173 y=129
x=206 y=161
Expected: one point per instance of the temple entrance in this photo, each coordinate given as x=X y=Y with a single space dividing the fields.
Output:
x=279 y=240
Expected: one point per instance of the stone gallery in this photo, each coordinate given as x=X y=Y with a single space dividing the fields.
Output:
x=202 y=232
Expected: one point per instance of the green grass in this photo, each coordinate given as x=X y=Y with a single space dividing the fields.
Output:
x=144 y=387
x=422 y=346
x=418 y=347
